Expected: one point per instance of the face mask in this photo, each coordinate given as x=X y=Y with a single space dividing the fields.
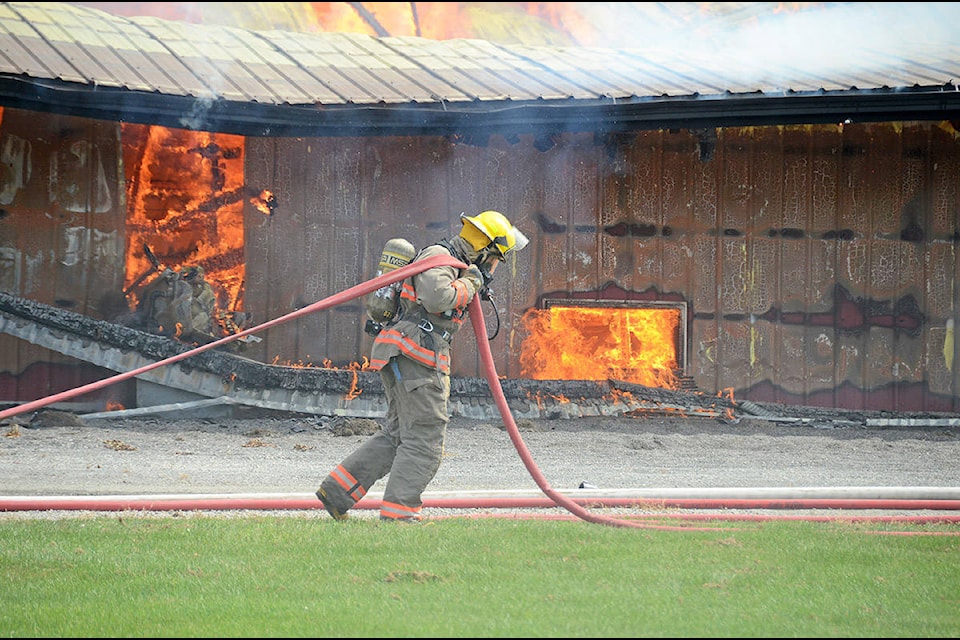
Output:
x=487 y=262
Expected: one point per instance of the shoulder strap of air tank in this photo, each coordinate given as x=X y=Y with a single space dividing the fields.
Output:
x=446 y=244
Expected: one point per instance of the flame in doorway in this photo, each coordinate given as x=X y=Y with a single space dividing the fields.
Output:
x=637 y=345
x=185 y=199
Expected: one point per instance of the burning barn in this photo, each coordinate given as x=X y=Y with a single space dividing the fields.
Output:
x=691 y=227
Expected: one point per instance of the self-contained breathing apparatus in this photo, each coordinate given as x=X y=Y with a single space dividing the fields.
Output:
x=383 y=304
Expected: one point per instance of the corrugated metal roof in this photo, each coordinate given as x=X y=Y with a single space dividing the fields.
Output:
x=50 y=43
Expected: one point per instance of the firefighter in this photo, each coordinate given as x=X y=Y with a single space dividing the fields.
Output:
x=164 y=305
x=203 y=302
x=412 y=354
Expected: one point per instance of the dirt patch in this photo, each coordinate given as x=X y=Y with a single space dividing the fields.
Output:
x=292 y=453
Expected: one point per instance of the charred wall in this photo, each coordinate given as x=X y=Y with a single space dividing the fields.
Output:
x=62 y=210
x=817 y=263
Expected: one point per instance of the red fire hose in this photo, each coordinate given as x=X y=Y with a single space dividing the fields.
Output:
x=479 y=326
x=348 y=294
x=486 y=358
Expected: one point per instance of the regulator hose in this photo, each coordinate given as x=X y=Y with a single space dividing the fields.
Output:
x=486 y=294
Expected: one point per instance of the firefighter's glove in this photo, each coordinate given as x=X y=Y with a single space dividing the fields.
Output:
x=473 y=275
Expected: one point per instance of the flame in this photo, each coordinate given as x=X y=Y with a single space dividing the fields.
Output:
x=185 y=205
x=635 y=345
x=527 y=23
x=264 y=202
x=354 y=391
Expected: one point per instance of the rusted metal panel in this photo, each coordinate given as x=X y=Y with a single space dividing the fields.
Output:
x=257 y=249
x=886 y=168
x=705 y=264
x=941 y=349
x=822 y=270
x=488 y=185
x=676 y=277
x=854 y=209
x=571 y=198
x=877 y=370
x=275 y=250
x=704 y=354
x=397 y=192
x=734 y=151
x=517 y=191
x=733 y=277
x=646 y=184
x=781 y=185
x=346 y=321
x=824 y=179
x=556 y=231
x=733 y=350
x=763 y=362
x=795 y=293
x=944 y=167
x=61 y=238
x=681 y=160
x=940 y=281
x=763 y=268
x=823 y=358
x=63 y=194
x=580 y=184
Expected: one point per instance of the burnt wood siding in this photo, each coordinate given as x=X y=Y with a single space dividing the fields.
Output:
x=818 y=262
x=61 y=235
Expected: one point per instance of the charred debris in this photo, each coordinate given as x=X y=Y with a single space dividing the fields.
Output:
x=235 y=380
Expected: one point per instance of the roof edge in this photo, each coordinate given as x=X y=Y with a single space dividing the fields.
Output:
x=606 y=115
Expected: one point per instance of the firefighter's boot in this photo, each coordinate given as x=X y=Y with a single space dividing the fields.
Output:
x=334 y=512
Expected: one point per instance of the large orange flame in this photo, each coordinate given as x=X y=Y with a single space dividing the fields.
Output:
x=185 y=204
x=635 y=345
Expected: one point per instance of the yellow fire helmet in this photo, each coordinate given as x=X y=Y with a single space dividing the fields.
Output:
x=492 y=228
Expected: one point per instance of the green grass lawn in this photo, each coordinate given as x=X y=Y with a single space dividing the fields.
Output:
x=287 y=576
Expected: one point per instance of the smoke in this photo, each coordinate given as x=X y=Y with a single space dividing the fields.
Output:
x=196 y=118
x=824 y=40
x=763 y=45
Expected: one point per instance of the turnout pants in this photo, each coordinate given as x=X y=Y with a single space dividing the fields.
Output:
x=408 y=448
